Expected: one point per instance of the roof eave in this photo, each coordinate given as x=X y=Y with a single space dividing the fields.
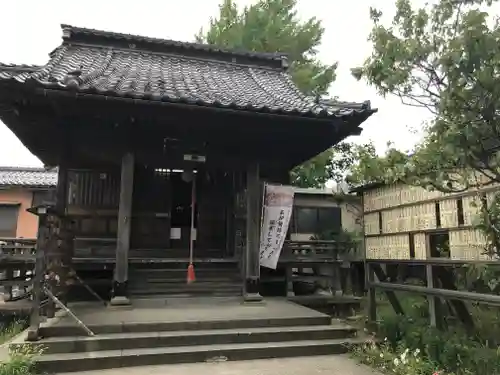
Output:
x=26 y=186
x=57 y=89
x=365 y=187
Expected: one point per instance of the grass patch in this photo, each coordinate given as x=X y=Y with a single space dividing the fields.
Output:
x=12 y=330
x=21 y=360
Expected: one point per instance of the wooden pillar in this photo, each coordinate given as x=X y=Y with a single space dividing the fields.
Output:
x=289 y=280
x=63 y=243
x=123 y=235
x=336 y=281
x=230 y=219
x=62 y=189
x=434 y=303
x=55 y=253
x=252 y=259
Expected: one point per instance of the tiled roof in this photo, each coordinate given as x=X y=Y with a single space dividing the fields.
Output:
x=89 y=61
x=70 y=33
x=28 y=177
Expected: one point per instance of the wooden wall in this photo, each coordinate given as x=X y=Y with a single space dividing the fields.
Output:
x=399 y=219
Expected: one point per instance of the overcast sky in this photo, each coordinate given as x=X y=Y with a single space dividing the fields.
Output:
x=30 y=29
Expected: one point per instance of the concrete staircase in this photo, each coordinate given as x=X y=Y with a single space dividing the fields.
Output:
x=138 y=344
x=169 y=279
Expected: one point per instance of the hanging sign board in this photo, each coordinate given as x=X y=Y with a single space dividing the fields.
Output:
x=277 y=211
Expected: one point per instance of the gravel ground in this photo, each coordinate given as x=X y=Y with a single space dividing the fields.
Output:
x=321 y=365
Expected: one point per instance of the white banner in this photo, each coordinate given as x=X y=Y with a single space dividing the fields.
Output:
x=278 y=205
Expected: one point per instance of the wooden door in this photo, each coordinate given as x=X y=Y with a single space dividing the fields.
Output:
x=151 y=218
x=212 y=212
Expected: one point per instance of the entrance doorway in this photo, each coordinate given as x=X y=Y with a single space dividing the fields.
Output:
x=182 y=188
x=151 y=209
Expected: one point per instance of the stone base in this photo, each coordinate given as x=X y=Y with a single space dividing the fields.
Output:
x=32 y=335
x=253 y=299
x=252 y=295
x=324 y=292
x=119 y=301
x=120 y=294
x=252 y=285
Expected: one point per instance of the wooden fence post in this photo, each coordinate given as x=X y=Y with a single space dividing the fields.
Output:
x=372 y=301
x=39 y=276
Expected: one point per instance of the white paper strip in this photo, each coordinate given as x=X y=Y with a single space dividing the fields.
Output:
x=278 y=205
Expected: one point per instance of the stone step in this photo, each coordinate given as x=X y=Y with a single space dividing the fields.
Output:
x=89 y=361
x=119 y=327
x=125 y=341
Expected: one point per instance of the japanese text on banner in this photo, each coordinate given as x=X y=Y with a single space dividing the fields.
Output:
x=278 y=205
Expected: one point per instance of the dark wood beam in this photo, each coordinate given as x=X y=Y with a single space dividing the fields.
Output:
x=123 y=236
x=252 y=258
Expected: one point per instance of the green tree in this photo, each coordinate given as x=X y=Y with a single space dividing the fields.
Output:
x=444 y=57
x=273 y=26
x=334 y=164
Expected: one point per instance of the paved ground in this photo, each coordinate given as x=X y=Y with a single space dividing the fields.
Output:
x=322 y=365
x=187 y=309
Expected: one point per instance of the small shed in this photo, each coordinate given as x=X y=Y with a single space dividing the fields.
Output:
x=320 y=210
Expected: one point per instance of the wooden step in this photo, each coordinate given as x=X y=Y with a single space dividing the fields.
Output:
x=185 y=291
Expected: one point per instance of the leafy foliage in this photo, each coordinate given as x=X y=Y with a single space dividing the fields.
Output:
x=444 y=57
x=349 y=240
x=451 y=351
x=333 y=164
x=273 y=26
x=11 y=330
x=399 y=361
x=21 y=357
x=22 y=360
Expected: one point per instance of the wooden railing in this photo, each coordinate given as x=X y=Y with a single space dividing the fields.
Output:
x=327 y=265
x=317 y=251
x=17 y=262
x=440 y=284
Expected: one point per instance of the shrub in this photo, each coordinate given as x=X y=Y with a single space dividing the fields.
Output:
x=21 y=360
x=399 y=361
x=13 y=329
x=453 y=350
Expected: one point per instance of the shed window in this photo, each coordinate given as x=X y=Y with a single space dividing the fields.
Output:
x=8 y=220
x=317 y=220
